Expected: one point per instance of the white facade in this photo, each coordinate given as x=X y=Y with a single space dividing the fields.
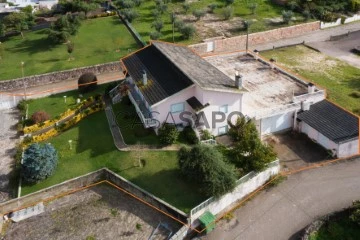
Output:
x=34 y=3
x=342 y=149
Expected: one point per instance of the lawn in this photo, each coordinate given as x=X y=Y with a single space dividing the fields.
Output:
x=98 y=41
x=93 y=148
x=265 y=11
x=341 y=80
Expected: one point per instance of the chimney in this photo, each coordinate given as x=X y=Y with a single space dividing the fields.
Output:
x=144 y=80
x=305 y=106
x=311 y=88
x=238 y=80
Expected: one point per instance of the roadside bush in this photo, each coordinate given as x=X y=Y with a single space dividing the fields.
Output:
x=39 y=162
x=187 y=31
x=227 y=13
x=168 y=134
x=87 y=82
x=198 y=14
x=287 y=15
x=155 y=35
x=39 y=117
x=190 y=135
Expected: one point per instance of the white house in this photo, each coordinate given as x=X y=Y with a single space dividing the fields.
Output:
x=34 y=3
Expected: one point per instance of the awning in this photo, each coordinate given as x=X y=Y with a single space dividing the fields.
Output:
x=196 y=104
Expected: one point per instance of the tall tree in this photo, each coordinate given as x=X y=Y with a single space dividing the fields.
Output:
x=65 y=26
x=17 y=21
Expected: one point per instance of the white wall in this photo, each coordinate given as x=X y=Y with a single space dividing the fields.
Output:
x=277 y=123
x=330 y=24
x=348 y=148
x=354 y=18
x=7 y=101
x=239 y=192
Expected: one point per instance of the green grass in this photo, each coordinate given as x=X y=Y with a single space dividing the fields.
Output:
x=265 y=11
x=55 y=104
x=93 y=149
x=340 y=79
x=98 y=41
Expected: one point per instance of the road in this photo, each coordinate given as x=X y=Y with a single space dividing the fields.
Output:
x=280 y=212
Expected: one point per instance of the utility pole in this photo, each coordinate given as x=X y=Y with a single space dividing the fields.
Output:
x=247 y=25
x=22 y=72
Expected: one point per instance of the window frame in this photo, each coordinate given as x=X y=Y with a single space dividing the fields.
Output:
x=183 y=107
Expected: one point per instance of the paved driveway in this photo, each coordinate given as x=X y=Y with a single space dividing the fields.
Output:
x=280 y=212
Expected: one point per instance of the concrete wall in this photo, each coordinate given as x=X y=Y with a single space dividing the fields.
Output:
x=246 y=185
x=239 y=42
x=348 y=148
x=330 y=24
x=60 y=76
x=354 y=18
x=277 y=123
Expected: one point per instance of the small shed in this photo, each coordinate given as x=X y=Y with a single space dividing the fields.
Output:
x=332 y=127
x=207 y=221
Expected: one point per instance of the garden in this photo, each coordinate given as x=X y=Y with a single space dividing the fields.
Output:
x=340 y=79
x=97 y=41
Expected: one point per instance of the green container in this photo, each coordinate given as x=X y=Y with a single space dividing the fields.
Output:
x=207 y=221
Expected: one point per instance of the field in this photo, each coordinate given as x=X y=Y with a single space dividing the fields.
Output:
x=341 y=80
x=267 y=16
x=98 y=41
x=93 y=148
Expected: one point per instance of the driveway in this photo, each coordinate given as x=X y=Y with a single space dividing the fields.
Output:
x=280 y=212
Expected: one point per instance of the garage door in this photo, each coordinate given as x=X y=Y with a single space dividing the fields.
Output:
x=277 y=123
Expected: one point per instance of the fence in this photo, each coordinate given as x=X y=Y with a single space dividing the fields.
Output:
x=245 y=186
x=340 y=21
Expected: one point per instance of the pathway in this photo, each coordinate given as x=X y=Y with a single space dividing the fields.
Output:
x=282 y=211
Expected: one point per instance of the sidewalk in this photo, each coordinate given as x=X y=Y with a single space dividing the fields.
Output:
x=316 y=36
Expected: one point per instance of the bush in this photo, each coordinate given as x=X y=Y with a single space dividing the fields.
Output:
x=253 y=7
x=186 y=7
x=212 y=7
x=205 y=165
x=39 y=117
x=39 y=162
x=287 y=15
x=155 y=35
x=179 y=24
x=198 y=13
x=205 y=134
x=130 y=14
x=355 y=216
x=190 y=135
x=168 y=134
x=187 y=31
x=87 y=82
x=227 y=13
x=306 y=14
x=158 y=25
x=228 y=2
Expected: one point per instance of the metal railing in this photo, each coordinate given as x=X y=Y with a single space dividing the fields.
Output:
x=148 y=122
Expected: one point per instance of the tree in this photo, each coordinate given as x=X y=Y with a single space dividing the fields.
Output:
x=186 y=7
x=205 y=165
x=158 y=25
x=17 y=21
x=227 y=12
x=39 y=162
x=248 y=153
x=190 y=135
x=198 y=14
x=287 y=15
x=65 y=26
x=187 y=31
x=212 y=7
x=168 y=134
x=87 y=82
x=155 y=35
x=40 y=116
x=130 y=14
x=2 y=29
x=70 y=49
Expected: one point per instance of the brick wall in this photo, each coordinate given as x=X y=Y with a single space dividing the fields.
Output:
x=239 y=42
x=53 y=77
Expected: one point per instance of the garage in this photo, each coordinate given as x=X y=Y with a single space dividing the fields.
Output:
x=277 y=123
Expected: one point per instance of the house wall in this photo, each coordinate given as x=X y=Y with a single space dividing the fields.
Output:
x=349 y=148
x=277 y=123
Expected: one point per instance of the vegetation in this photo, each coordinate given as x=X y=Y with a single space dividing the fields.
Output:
x=93 y=148
x=64 y=27
x=190 y=135
x=18 y=21
x=40 y=55
x=287 y=15
x=248 y=153
x=87 y=82
x=39 y=162
x=205 y=165
x=339 y=79
x=39 y=116
x=168 y=134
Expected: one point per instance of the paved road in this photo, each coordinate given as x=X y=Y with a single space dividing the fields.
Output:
x=279 y=213
x=316 y=36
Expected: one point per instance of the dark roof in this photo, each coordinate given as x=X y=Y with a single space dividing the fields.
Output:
x=195 y=67
x=331 y=121
x=196 y=104
x=164 y=79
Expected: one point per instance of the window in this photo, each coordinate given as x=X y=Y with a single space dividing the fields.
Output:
x=222 y=130
x=224 y=109
x=178 y=107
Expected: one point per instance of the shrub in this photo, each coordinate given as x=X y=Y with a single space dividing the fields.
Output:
x=39 y=162
x=205 y=134
x=205 y=165
x=186 y=7
x=162 y=7
x=87 y=82
x=39 y=117
x=198 y=13
x=130 y=14
x=228 y=2
x=126 y=3
x=155 y=35
x=158 y=25
x=227 y=13
x=355 y=216
x=287 y=15
x=187 y=31
x=306 y=14
x=355 y=94
x=168 y=134
x=253 y=7
x=190 y=135
x=212 y=7
x=179 y=24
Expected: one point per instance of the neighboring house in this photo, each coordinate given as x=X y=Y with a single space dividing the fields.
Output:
x=332 y=127
x=171 y=83
x=34 y=3
x=5 y=9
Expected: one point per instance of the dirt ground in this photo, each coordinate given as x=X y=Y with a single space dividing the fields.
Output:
x=296 y=150
x=101 y=212
x=341 y=48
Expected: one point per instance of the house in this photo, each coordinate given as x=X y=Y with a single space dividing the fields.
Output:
x=34 y=3
x=332 y=127
x=171 y=83
x=6 y=9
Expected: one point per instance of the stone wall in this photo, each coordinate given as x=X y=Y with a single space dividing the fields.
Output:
x=53 y=77
x=239 y=42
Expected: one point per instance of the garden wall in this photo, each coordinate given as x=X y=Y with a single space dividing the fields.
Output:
x=245 y=186
x=53 y=77
x=239 y=42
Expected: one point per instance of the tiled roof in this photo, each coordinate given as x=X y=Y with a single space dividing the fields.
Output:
x=331 y=121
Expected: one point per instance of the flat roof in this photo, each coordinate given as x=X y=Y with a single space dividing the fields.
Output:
x=331 y=121
x=266 y=87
